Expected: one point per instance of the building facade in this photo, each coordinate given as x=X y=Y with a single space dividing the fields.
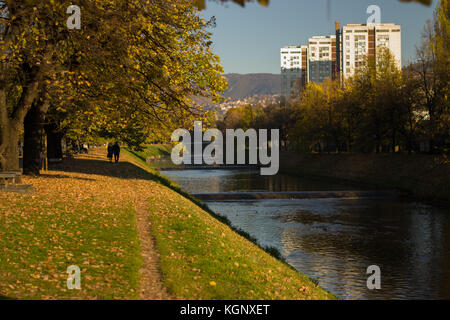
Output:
x=293 y=70
x=362 y=41
x=322 y=58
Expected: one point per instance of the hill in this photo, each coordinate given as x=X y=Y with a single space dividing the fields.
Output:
x=247 y=85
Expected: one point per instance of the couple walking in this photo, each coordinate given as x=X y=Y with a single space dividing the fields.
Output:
x=113 y=149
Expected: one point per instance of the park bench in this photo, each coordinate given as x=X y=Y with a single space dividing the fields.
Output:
x=14 y=176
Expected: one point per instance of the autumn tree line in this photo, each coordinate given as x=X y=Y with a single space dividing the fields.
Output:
x=130 y=72
x=379 y=109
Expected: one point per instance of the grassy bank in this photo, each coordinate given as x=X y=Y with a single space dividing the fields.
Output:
x=71 y=219
x=203 y=258
x=424 y=177
x=84 y=213
x=154 y=151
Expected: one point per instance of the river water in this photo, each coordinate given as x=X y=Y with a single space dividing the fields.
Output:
x=334 y=240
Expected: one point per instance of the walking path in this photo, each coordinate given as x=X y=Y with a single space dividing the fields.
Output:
x=151 y=287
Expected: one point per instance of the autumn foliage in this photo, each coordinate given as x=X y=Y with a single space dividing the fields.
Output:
x=132 y=69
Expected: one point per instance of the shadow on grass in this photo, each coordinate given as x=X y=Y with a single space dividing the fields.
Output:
x=60 y=176
x=123 y=170
x=6 y=298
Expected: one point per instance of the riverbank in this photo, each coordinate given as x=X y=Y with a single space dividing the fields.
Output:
x=424 y=177
x=134 y=235
x=203 y=258
x=154 y=151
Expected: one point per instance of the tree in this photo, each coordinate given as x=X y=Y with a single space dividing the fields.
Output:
x=433 y=71
x=26 y=53
x=389 y=83
x=130 y=69
x=413 y=114
x=366 y=114
x=280 y=117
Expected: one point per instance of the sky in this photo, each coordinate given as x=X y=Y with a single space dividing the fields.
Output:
x=248 y=40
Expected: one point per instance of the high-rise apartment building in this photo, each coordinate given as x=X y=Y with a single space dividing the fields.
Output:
x=322 y=58
x=293 y=70
x=337 y=56
x=365 y=40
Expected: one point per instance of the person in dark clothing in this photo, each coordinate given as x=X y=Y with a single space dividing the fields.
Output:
x=116 y=151
x=110 y=151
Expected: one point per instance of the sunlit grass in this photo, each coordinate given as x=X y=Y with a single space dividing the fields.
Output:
x=89 y=220
x=67 y=223
x=203 y=258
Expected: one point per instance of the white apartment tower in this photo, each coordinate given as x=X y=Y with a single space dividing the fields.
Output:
x=293 y=70
x=361 y=40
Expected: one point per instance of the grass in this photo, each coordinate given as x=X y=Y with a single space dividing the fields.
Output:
x=203 y=258
x=68 y=222
x=84 y=214
x=154 y=150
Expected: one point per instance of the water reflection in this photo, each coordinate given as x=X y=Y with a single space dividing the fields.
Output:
x=335 y=240
x=244 y=180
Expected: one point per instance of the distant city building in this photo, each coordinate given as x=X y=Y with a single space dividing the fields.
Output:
x=293 y=70
x=337 y=56
x=322 y=58
x=361 y=40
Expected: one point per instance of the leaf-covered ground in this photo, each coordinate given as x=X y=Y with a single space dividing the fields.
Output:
x=84 y=213
x=74 y=217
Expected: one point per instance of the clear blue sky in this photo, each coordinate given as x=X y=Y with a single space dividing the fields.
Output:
x=249 y=39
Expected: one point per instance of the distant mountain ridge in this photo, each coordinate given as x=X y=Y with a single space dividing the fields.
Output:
x=247 y=85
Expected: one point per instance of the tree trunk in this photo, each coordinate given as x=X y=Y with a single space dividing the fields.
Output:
x=33 y=131
x=9 y=138
x=54 y=141
x=9 y=145
x=12 y=123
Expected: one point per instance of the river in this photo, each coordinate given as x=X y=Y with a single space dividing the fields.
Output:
x=334 y=240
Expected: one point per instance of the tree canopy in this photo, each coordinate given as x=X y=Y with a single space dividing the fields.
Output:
x=132 y=69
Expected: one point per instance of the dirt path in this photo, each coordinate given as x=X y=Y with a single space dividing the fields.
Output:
x=151 y=287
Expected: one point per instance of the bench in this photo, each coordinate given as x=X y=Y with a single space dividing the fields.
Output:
x=15 y=176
